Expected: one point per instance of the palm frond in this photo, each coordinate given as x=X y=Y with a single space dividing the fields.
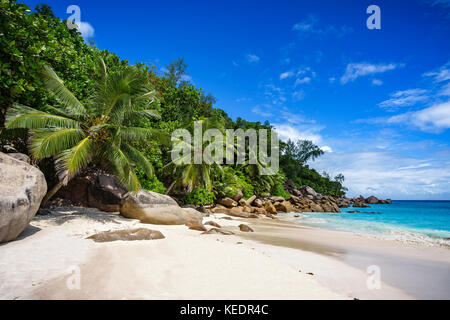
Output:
x=138 y=159
x=142 y=134
x=101 y=69
x=120 y=164
x=137 y=115
x=75 y=159
x=19 y=116
x=48 y=142
x=67 y=99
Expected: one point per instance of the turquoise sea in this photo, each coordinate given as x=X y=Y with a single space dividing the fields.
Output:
x=421 y=221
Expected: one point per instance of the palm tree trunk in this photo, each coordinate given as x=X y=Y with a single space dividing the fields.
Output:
x=170 y=188
x=51 y=193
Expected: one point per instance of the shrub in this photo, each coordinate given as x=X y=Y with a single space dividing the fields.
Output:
x=278 y=190
x=199 y=196
x=150 y=184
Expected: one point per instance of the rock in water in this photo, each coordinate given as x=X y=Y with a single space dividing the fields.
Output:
x=372 y=200
x=127 y=235
x=22 y=188
x=154 y=208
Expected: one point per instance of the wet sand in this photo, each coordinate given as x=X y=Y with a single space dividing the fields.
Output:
x=406 y=270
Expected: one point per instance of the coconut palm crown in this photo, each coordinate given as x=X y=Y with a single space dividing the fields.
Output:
x=99 y=131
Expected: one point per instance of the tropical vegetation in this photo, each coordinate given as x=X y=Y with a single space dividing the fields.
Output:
x=73 y=106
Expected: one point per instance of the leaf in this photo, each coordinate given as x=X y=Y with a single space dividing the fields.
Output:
x=48 y=142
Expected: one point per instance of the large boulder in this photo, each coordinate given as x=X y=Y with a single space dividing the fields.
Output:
x=238 y=196
x=285 y=206
x=269 y=207
x=95 y=190
x=228 y=202
x=154 y=208
x=277 y=199
x=308 y=191
x=250 y=200
x=258 y=203
x=20 y=156
x=372 y=200
x=22 y=188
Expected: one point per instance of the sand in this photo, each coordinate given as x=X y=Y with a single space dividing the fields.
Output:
x=280 y=260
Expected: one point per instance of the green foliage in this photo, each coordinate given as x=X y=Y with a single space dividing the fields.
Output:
x=199 y=196
x=98 y=132
x=278 y=190
x=293 y=161
x=103 y=119
x=231 y=181
x=150 y=183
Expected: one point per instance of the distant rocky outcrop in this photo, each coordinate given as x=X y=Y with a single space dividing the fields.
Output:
x=303 y=199
x=22 y=188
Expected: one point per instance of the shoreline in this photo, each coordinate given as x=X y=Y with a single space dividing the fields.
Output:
x=274 y=262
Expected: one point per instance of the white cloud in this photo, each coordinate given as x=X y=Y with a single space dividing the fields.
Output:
x=298 y=95
x=377 y=82
x=311 y=26
x=262 y=111
x=86 y=30
x=444 y=3
x=286 y=75
x=356 y=70
x=252 y=58
x=433 y=119
x=288 y=131
x=443 y=74
x=445 y=90
x=326 y=149
x=387 y=175
x=275 y=94
x=302 y=81
x=243 y=99
x=404 y=98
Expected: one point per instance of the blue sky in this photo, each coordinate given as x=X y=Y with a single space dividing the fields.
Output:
x=377 y=101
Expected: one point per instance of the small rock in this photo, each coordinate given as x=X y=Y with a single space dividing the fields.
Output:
x=250 y=200
x=238 y=196
x=228 y=202
x=197 y=226
x=214 y=224
x=218 y=231
x=127 y=235
x=245 y=228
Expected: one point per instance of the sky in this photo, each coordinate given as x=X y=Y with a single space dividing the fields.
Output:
x=377 y=101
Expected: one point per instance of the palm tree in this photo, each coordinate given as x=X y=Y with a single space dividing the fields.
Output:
x=99 y=132
x=192 y=175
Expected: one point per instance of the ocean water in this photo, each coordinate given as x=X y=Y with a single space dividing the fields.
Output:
x=411 y=221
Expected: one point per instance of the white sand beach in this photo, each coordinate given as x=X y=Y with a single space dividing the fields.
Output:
x=280 y=260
